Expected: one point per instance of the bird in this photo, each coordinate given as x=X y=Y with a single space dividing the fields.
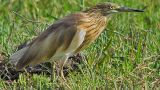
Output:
x=68 y=36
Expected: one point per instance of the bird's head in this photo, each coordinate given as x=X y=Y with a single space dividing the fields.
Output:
x=110 y=8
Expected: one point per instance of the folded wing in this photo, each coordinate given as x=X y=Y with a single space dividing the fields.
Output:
x=59 y=39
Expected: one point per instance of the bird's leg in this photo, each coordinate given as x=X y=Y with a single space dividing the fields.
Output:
x=62 y=74
x=52 y=71
x=61 y=69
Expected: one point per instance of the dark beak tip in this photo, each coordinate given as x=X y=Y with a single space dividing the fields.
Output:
x=126 y=9
x=139 y=10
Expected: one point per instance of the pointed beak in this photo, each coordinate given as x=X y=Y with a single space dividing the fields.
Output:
x=126 y=9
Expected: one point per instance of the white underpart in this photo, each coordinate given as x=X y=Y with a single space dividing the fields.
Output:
x=75 y=43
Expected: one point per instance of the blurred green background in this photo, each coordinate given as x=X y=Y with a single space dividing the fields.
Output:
x=125 y=56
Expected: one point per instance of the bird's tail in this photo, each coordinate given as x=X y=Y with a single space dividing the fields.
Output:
x=17 y=56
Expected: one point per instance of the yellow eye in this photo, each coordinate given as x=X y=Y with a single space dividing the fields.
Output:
x=111 y=7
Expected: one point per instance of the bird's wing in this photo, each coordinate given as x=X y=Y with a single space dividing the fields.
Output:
x=61 y=37
x=17 y=55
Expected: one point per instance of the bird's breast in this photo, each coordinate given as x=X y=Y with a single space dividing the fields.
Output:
x=93 y=29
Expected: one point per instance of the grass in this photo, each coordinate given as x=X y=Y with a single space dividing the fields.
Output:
x=125 y=56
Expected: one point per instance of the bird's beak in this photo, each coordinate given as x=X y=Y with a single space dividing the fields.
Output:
x=126 y=9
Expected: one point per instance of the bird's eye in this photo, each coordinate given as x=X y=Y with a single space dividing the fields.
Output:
x=110 y=7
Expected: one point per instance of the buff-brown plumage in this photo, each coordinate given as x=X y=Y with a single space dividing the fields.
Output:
x=93 y=28
x=67 y=36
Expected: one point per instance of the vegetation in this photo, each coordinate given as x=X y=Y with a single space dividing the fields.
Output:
x=125 y=56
